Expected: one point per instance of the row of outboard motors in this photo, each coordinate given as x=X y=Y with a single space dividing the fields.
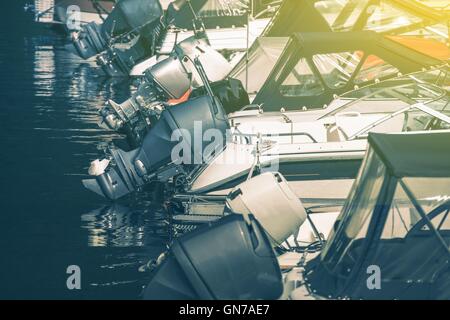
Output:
x=233 y=258
x=130 y=18
x=135 y=30
x=126 y=17
x=184 y=93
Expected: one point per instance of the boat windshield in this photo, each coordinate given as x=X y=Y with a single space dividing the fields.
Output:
x=393 y=95
x=439 y=77
x=356 y=215
x=382 y=16
x=406 y=248
x=428 y=194
x=420 y=117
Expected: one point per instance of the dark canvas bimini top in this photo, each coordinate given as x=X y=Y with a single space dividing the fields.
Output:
x=296 y=16
x=421 y=154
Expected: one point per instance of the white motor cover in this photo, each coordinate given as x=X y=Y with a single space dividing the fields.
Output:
x=273 y=203
x=215 y=65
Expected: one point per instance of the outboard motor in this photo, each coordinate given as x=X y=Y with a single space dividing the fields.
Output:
x=118 y=61
x=128 y=16
x=170 y=79
x=229 y=260
x=272 y=202
x=134 y=117
x=125 y=172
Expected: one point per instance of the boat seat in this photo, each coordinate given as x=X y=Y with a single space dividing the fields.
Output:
x=400 y=258
x=409 y=267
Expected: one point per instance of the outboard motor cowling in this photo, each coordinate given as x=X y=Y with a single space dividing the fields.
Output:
x=273 y=203
x=170 y=76
x=127 y=16
x=179 y=126
x=229 y=260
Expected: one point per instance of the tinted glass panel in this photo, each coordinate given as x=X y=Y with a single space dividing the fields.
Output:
x=337 y=68
x=301 y=82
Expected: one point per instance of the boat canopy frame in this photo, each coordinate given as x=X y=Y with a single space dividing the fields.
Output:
x=364 y=10
x=303 y=48
x=333 y=275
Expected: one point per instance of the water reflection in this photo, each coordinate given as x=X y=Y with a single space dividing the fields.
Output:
x=120 y=226
x=49 y=106
x=44 y=70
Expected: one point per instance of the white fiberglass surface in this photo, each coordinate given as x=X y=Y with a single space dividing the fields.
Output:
x=307 y=131
x=381 y=107
x=394 y=116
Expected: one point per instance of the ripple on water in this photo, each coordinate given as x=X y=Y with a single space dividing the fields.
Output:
x=49 y=106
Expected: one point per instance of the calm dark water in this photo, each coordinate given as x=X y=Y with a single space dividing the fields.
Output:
x=49 y=103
